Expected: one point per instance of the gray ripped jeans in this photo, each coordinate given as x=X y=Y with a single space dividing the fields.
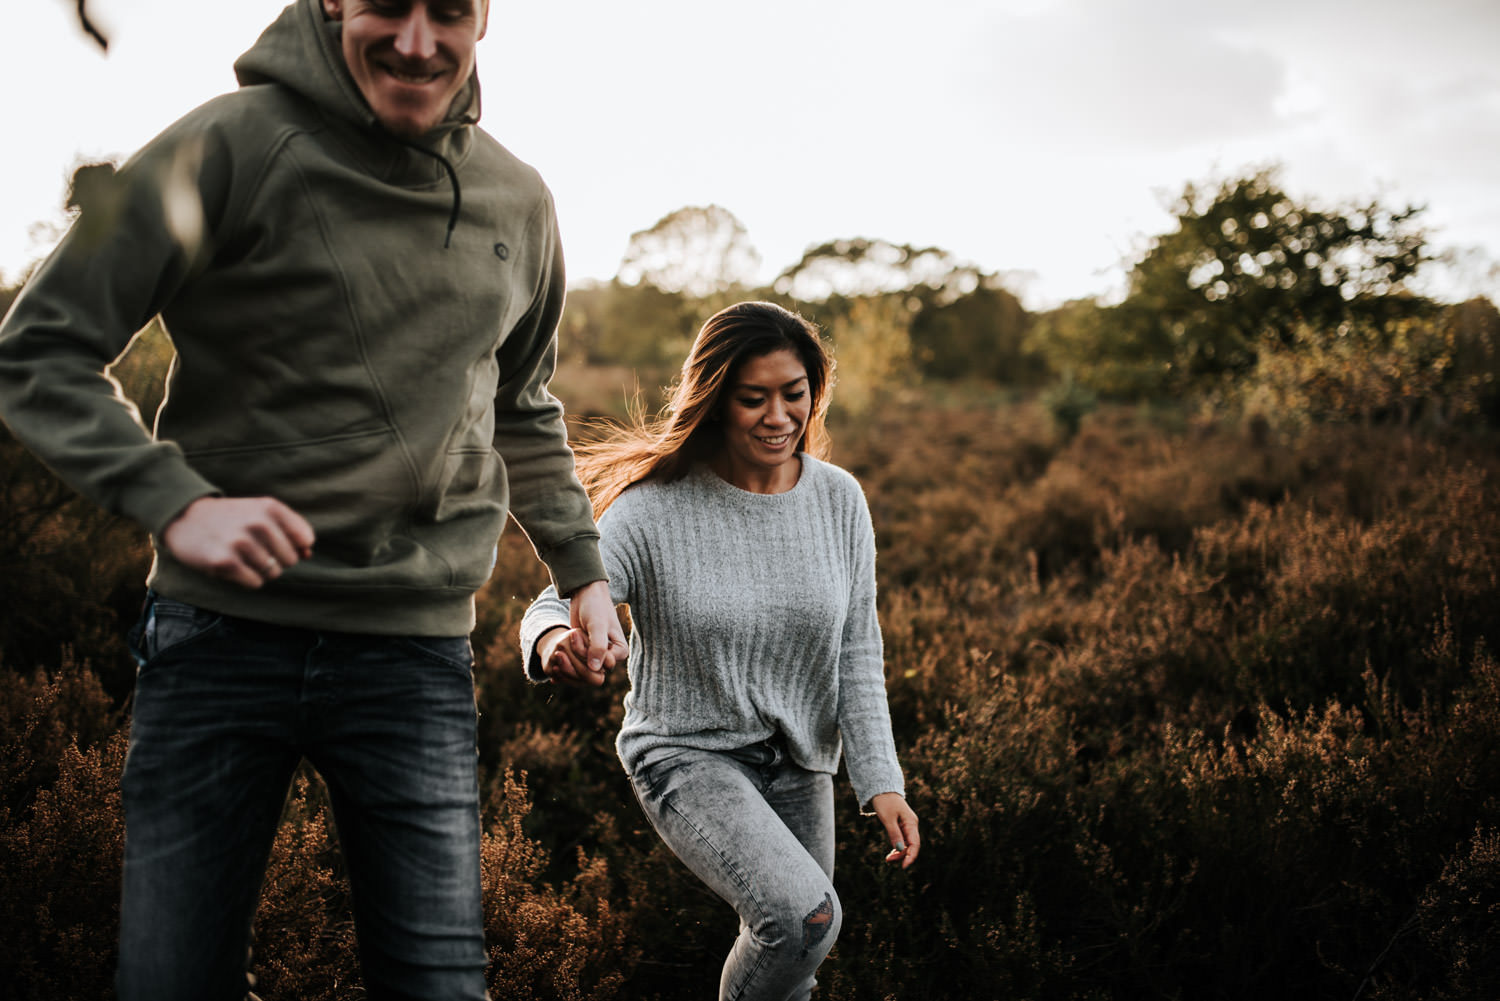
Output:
x=758 y=829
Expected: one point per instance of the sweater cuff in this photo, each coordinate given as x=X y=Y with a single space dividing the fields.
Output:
x=533 y=662
x=866 y=787
x=547 y=612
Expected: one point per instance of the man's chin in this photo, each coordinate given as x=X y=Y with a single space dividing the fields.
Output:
x=407 y=127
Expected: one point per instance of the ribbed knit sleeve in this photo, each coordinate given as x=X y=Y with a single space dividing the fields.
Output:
x=864 y=714
x=550 y=610
x=752 y=615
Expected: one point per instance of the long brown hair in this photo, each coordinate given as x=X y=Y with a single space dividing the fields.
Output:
x=666 y=447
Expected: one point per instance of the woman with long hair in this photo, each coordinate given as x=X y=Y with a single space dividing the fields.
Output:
x=748 y=563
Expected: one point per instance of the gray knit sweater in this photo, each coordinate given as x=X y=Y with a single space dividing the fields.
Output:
x=752 y=615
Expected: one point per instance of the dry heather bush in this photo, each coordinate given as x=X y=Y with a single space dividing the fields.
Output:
x=1200 y=819
x=1203 y=864
x=304 y=930
x=563 y=738
x=60 y=866
x=1142 y=650
x=1316 y=839
x=1455 y=925
x=69 y=574
x=1320 y=597
x=546 y=943
x=61 y=834
x=935 y=479
x=1185 y=713
x=991 y=781
x=40 y=715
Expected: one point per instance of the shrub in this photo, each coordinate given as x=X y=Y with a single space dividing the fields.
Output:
x=545 y=943
x=60 y=866
x=1185 y=711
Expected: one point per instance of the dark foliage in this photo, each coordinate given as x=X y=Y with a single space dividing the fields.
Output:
x=1186 y=713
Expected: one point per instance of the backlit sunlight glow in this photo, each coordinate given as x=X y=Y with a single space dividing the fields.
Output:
x=1035 y=137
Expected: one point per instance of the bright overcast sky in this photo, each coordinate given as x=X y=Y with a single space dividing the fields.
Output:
x=1034 y=137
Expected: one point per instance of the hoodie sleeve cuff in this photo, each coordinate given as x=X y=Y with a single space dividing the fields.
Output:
x=575 y=563
x=157 y=503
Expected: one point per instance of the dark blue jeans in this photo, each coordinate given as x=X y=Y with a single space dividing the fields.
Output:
x=225 y=709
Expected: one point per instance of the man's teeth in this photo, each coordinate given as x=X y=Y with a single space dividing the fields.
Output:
x=413 y=77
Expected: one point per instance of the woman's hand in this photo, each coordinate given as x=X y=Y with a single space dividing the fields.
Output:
x=584 y=651
x=564 y=654
x=900 y=823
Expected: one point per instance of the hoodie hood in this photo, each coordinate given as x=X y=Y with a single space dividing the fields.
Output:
x=302 y=51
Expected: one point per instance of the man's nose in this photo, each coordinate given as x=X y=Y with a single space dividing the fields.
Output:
x=415 y=39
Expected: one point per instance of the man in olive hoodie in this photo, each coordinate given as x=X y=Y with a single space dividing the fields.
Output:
x=362 y=289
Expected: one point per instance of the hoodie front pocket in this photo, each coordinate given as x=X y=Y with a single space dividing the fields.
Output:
x=356 y=490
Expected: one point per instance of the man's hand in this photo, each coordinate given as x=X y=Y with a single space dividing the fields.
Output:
x=584 y=653
x=247 y=540
x=900 y=823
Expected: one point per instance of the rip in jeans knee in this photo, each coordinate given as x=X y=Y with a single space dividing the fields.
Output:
x=815 y=926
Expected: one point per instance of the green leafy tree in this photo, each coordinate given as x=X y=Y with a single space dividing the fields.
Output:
x=872 y=342
x=638 y=325
x=985 y=334
x=1474 y=330
x=863 y=267
x=701 y=251
x=964 y=322
x=1103 y=350
x=1246 y=265
x=1364 y=372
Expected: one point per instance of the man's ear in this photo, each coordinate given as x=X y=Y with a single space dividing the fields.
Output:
x=334 y=9
x=484 y=17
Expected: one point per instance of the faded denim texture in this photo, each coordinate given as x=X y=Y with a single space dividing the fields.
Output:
x=225 y=709
x=758 y=829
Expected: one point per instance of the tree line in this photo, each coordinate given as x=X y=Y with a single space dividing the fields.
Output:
x=1254 y=304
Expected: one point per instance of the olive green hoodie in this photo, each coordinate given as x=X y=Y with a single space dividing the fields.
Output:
x=365 y=329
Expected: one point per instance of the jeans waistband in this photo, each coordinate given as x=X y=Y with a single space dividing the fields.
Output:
x=764 y=753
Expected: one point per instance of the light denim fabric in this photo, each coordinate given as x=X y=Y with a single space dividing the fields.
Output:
x=225 y=709
x=758 y=830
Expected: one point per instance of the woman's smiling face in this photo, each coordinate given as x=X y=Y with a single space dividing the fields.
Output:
x=764 y=412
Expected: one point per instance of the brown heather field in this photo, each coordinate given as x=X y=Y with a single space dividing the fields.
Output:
x=1186 y=714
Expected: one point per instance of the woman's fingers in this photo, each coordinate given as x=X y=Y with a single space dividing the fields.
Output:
x=900 y=823
x=911 y=836
x=567 y=662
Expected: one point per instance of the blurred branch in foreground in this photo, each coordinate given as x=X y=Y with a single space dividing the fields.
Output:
x=89 y=27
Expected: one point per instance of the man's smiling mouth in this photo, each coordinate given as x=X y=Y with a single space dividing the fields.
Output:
x=416 y=79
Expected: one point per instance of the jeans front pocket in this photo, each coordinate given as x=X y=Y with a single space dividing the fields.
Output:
x=166 y=624
x=444 y=651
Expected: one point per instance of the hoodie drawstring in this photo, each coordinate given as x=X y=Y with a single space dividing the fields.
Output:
x=452 y=179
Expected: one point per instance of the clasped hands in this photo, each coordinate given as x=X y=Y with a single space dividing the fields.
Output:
x=593 y=643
